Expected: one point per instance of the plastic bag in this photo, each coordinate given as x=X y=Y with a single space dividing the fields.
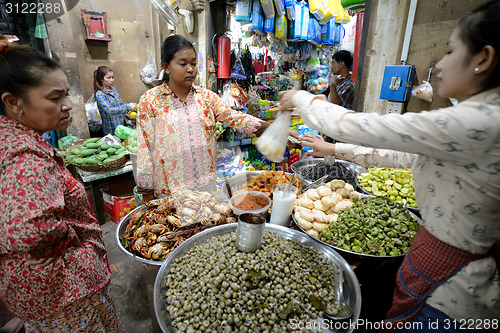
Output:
x=65 y=141
x=148 y=72
x=123 y=132
x=93 y=115
x=423 y=91
x=272 y=143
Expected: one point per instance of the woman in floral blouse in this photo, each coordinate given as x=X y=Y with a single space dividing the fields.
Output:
x=176 y=126
x=54 y=271
x=449 y=280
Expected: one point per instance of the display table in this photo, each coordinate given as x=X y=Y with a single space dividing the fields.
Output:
x=97 y=178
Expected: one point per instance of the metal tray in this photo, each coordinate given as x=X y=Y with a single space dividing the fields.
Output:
x=352 y=291
x=350 y=255
x=301 y=165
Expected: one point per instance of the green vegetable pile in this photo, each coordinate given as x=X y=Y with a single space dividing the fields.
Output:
x=374 y=226
x=219 y=128
x=131 y=143
x=396 y=184
x=94 y=152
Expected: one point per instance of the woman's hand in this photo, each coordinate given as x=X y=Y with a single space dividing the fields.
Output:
x=285 y=98
x=41 y=262
x=320 y=147
x=132 y=105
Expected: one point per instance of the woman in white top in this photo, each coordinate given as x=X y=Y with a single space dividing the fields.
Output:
x=449 y=281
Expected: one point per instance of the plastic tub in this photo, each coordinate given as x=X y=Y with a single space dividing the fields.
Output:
x=238 y=197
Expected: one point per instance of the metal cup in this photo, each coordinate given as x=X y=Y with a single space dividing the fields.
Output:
x=250 y=232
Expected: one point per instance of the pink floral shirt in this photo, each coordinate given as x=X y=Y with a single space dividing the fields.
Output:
x=176 y=140
x=44 y=213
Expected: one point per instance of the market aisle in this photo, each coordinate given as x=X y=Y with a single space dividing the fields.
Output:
x=128 y=286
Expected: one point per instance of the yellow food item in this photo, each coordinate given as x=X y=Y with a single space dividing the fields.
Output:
x=133 y=114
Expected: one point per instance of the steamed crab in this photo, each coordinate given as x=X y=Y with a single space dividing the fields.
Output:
x=163 y=224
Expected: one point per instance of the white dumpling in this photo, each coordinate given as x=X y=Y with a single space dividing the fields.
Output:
x=324 y=191
x=306 y=225
x=336 y=183
x=312 y=232
x=319 y=226
x=349 y=187
x=313 y=194
x=343 y=192
x=318 y=204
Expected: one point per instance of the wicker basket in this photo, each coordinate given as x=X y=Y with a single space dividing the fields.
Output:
x=96 y=167
x=105 y=167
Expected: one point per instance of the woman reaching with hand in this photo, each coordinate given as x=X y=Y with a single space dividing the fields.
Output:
x=451 y=272
x=176 y=125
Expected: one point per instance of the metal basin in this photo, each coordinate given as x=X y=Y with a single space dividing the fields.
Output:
x=352 y=292
x=301 y=166
x=121 y=229
x=354 y=256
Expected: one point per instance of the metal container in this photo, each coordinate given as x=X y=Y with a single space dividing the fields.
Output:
x=352 y=291
x=300 y=166
x=250 y=232
x=354 y=256
x=122 y=226
x=233 y=183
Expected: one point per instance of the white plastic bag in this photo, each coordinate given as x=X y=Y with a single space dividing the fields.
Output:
x=423 y=91
x=272 y=143
x=93 y=115
x=148 y=72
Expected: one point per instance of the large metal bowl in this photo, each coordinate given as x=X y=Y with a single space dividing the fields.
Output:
x=352 y=292
x=122 y=226
x=300 y=166
x=355 y=256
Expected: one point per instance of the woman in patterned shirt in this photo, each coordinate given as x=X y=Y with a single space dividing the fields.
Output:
x=54 y=271
x=176 y=125
x=109 y=103
x=449 y=280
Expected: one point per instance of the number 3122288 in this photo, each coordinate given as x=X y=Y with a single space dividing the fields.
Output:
x=33 y=8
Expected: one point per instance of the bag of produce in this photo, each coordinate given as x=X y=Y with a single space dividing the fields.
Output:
x=148 y=72
x=65 y=141
x=424 y=91
x=272 y=143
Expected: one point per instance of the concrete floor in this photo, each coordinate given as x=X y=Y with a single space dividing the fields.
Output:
x=131 y=286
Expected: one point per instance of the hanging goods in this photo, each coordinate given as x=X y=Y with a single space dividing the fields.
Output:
x=224 y=57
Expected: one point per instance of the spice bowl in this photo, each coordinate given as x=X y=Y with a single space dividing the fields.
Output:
x=255 y=202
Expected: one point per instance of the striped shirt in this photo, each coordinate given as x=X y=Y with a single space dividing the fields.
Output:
x=111 y=108
x=345 y=90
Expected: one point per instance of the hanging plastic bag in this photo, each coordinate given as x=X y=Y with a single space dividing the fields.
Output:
x=272 y=143
x=148 y=72
x=424 y=91
x=93 y=115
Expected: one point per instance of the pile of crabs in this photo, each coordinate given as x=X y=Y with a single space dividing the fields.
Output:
x=154 y=232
